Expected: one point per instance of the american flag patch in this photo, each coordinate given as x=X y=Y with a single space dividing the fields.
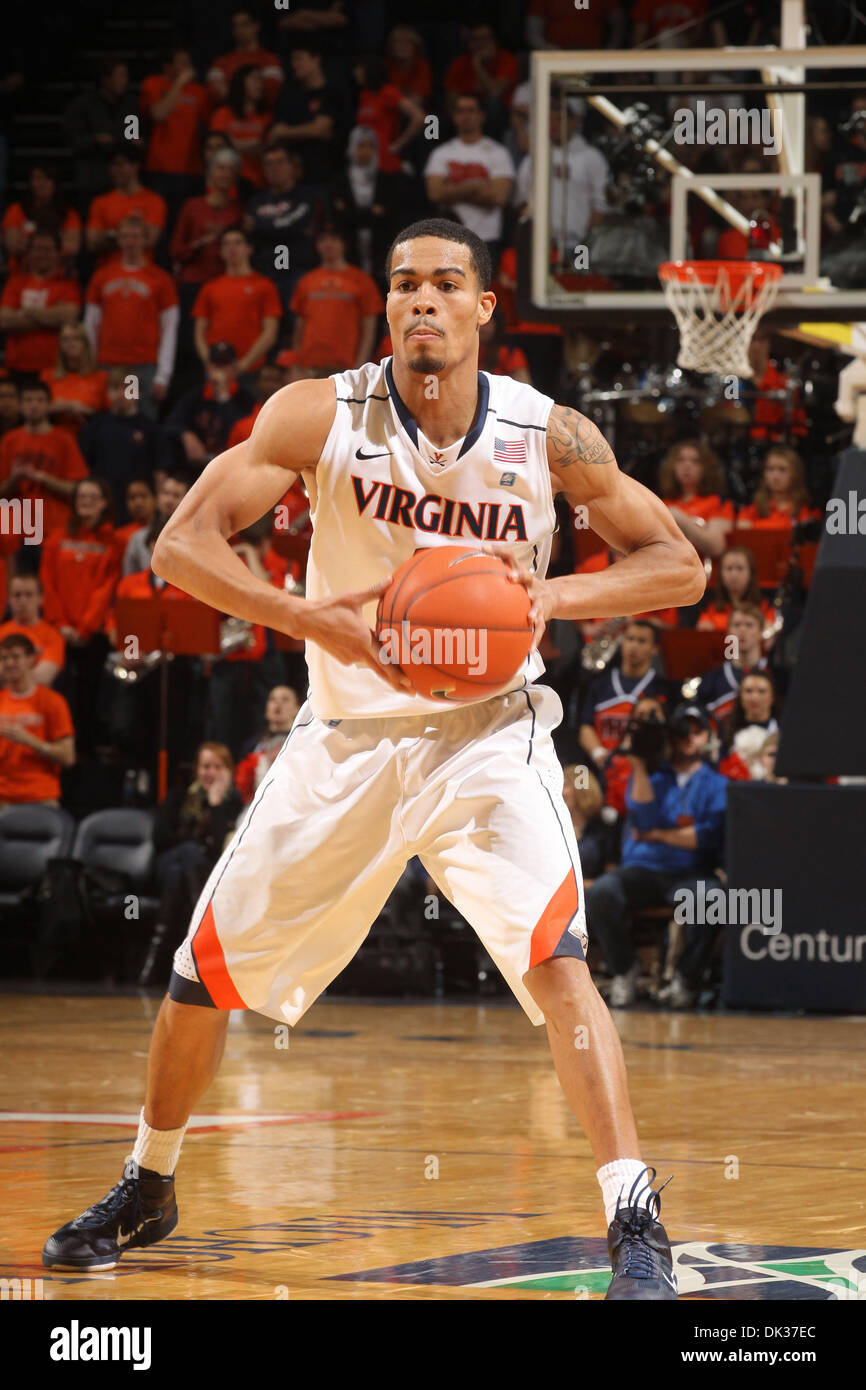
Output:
x=509 y=450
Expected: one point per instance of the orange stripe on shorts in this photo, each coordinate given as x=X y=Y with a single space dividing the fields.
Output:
x=553 y=921
x=211 y=964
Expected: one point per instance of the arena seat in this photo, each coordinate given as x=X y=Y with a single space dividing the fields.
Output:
x=690 y=651
x=29 y=837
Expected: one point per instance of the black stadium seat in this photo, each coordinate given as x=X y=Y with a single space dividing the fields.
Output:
x=121 y=840
x=29 y=837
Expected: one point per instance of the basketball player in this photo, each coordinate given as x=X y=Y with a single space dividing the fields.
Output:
x=406 y=454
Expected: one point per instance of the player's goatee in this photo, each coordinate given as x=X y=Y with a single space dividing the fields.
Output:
x=424 y=363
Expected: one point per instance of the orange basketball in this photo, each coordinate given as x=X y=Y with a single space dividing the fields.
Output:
x=455 y=623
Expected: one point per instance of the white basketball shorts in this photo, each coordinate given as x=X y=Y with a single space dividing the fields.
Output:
x=475 y=793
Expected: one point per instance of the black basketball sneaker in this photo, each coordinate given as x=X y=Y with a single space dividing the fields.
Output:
x=138 y=1211
x=640 y=1252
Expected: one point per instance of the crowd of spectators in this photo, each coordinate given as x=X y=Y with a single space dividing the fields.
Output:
x=223 y=234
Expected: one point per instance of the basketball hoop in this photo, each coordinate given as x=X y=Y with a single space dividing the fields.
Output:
x=717 y=305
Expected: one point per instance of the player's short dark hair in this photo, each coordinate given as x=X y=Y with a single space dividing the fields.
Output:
x=479 y=253
x=19 y=640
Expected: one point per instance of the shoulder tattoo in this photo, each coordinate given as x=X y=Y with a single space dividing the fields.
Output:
x=572 y=438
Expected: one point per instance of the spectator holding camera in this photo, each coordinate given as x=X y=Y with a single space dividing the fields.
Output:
x=37 y=738
x=674 y=826
x=611 y=698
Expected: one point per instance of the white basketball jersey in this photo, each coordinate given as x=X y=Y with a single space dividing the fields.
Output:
x=380 y=491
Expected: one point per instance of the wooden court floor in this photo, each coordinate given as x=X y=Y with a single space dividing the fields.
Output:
x=414 y=1151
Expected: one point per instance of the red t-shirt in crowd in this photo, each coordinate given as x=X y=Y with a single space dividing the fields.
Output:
x=776 y=519
x=238 y=128
x=15 y=216
x=197 y=219
x=37 y=349
x=223 y=70
x=242 y=429
x=462 y=78
x=56 y=453
x=131 y=302
x=381 y=112
x=79 y=575
x=414 y=81
x=48 y=642
x=108 y=210
x=89 y=389
x=25 y=775
x=667 y=14
x=332 y=304
x=235 y=307
x=707 y=508
x=175 y=144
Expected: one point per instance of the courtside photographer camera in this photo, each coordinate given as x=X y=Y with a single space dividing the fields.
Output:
x=646 y=738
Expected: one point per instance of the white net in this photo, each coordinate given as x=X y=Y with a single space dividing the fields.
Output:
x=717 y=311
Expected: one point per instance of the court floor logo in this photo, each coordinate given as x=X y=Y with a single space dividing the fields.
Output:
x=704 y=1271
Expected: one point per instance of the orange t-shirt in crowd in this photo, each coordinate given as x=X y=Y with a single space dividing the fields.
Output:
x=15 y=216
x=235 y=307
x=79 y=575
x=332 y=304
x=56 y=453
x=48 y=642
x=24 y=774
x=226 y=67
x=718 y=619
x=125 y=533
x=775 y=520
x=37 y=349
x=708 y=508
x=242 y=429
x=461 y=76
x=108 y=210
x=238 y=128
x=505 y=289
x=89 y=389
x=566 y=26
x=131 y=302
x=414 y=81
x=768 y=417
x=175 y=145
x=381 y=112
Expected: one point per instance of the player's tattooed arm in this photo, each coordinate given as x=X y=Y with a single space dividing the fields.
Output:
x=573 y=439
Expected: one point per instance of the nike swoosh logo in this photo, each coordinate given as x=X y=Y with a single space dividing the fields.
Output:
x=124 y=1239
x=360 y=455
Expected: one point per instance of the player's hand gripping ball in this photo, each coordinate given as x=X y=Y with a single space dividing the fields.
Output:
x=455 y=623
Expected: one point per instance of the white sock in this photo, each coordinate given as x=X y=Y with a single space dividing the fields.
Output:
x=157 y=1149
x=617 y=1180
